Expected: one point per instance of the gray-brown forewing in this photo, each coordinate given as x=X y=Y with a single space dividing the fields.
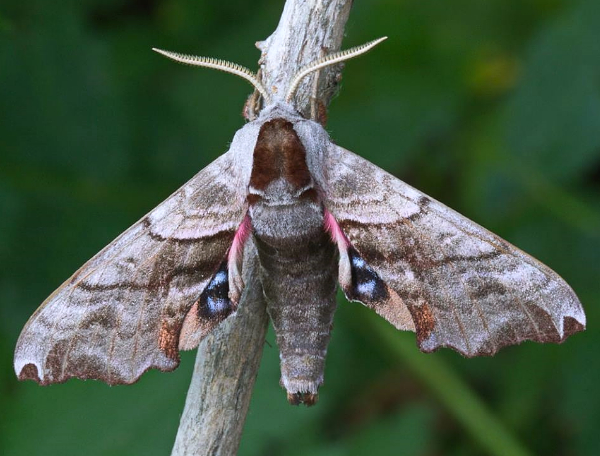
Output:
x=122 y=312
x=462 y=286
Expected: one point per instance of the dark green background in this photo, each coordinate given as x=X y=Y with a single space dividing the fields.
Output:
x=492 y=107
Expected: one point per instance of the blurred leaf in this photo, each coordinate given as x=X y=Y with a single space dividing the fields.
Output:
x=449 y=388
x=89 y=415
x=553 y=121
x=407 y=432
x=5 y=25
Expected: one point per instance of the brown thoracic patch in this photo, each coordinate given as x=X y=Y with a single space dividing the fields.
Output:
x=424 y=321
x=279 y=153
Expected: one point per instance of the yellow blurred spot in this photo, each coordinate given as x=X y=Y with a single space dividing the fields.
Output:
x=491 y=76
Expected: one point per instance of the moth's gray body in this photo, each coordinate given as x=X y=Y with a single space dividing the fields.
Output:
x=159 y=287
x=299 y=278
x=298 y=258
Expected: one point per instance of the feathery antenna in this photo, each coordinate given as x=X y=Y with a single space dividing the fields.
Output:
x=331 y=59
x=218 y=64
x=243 y=72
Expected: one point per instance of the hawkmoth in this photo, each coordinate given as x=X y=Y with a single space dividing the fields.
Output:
x=318 y=216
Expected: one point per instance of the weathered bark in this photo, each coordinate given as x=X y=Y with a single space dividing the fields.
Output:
x=307 y=30
x=224 y=374
x=228 y=359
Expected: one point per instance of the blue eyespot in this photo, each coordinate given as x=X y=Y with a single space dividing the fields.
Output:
x=366 y=284
x=358 y=262
x=214 y=300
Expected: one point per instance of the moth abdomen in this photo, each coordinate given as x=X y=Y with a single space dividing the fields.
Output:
x=298 y=260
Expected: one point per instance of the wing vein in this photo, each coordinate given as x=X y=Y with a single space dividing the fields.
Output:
x=155 y=251
x=429 y=242
x=74 y=287
x=102 y=269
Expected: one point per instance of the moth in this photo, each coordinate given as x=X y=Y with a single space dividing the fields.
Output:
x=319 y=216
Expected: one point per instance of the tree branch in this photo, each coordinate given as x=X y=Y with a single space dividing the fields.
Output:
x=228 y=359
x=224 y=374
x=306 y=30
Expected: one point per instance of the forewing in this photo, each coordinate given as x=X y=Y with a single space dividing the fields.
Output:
x=122 y=312
x=464 y=287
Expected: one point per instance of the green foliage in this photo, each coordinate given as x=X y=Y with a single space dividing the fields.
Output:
x=491 y=107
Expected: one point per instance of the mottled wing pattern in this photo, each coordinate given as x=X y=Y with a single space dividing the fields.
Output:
x=464 y=287
x=122 y=312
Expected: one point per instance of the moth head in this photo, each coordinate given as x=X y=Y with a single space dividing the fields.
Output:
x=243 y=72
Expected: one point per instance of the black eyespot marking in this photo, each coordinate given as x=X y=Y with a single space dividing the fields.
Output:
x=366 y=284
x=214 y=300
